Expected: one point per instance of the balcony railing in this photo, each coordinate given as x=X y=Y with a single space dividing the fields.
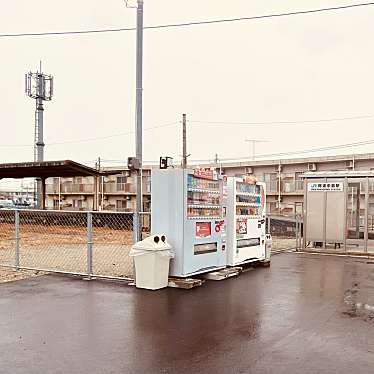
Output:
x=272 y=186
x=118 y=188
x=292 y=186
x=74 y=188
x=69 y=188
x=124 y=188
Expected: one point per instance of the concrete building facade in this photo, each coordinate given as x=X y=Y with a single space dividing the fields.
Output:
x=283 y=178
x=113 y=192
x=285 y=187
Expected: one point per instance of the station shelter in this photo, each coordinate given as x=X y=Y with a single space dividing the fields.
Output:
x=339 y=211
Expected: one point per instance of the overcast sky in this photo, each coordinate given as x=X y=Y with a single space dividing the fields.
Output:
x=299 y=68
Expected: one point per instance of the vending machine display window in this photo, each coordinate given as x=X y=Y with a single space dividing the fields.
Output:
x=203 y=197
x=245 y=221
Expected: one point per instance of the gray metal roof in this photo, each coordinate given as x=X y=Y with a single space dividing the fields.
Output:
x=288 y=161
x=339 y=174
x=45 y=169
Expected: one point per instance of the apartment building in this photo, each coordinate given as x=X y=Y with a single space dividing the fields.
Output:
x=115 y=192
x=283 y=178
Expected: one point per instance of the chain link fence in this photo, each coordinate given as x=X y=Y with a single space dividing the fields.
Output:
x=7 y=238
x=85 y=243
x=286 y=228
x=96 y=244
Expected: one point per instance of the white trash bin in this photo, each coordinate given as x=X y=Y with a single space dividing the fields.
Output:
x=152 y=257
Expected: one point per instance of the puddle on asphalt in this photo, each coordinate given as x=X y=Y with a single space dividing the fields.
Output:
x=356 y=308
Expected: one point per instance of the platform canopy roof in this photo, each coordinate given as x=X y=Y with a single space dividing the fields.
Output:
x=338 y=174
x=46 y=169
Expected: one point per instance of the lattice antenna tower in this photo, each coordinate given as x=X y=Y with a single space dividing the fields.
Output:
x=39 y=86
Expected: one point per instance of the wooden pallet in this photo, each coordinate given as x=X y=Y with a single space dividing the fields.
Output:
x=185 y=283
x=264 y=264
x=223 y=273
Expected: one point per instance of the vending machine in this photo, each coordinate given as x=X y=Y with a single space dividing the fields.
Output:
x=245 y=221
x=188 y=206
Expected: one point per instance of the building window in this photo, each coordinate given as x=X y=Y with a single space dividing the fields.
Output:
x=120 y=205
x=121 y=181
x=271 y=207
x=78 y=204
x=269 y=177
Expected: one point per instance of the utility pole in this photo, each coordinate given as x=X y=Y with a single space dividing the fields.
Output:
x=139 y=119
x=253 y=143
x=184 y=159
x=216 y=161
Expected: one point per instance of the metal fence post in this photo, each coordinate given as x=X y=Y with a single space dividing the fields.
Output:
x=89 y=244
x=297 y=232
x=17 y=238
x=136 y=227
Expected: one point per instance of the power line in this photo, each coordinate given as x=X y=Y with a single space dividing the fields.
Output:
x=187 y=24
x=90 y=139
x=282 y=122
x=291 y=153
x=321 y=149
x=261 y=123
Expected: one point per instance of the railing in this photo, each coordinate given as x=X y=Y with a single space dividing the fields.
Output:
x=272 y=186
x=70 y=188
x=90 y=188
x=299 y=185
x=293 y=186
x=118 y=188
x=93 y=244
x=286 y=186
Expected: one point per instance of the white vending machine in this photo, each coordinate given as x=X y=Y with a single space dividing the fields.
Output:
x=188 y=206
x=246 y=221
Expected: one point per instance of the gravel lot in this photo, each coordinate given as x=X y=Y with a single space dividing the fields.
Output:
x=64 y=248
x=9 y=275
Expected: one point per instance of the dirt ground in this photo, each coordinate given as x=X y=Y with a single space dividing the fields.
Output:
x=64 y=248
x=10 y=275
x=283 y=243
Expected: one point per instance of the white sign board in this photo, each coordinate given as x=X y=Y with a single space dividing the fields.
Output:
x=325 y=186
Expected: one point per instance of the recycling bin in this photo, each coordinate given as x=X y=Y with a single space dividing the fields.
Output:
x=152 y=257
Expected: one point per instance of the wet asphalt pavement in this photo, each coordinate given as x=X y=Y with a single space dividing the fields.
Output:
x=306 y=314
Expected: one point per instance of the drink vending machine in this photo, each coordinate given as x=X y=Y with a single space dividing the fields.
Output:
x=189 y=207
x=245 y=220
